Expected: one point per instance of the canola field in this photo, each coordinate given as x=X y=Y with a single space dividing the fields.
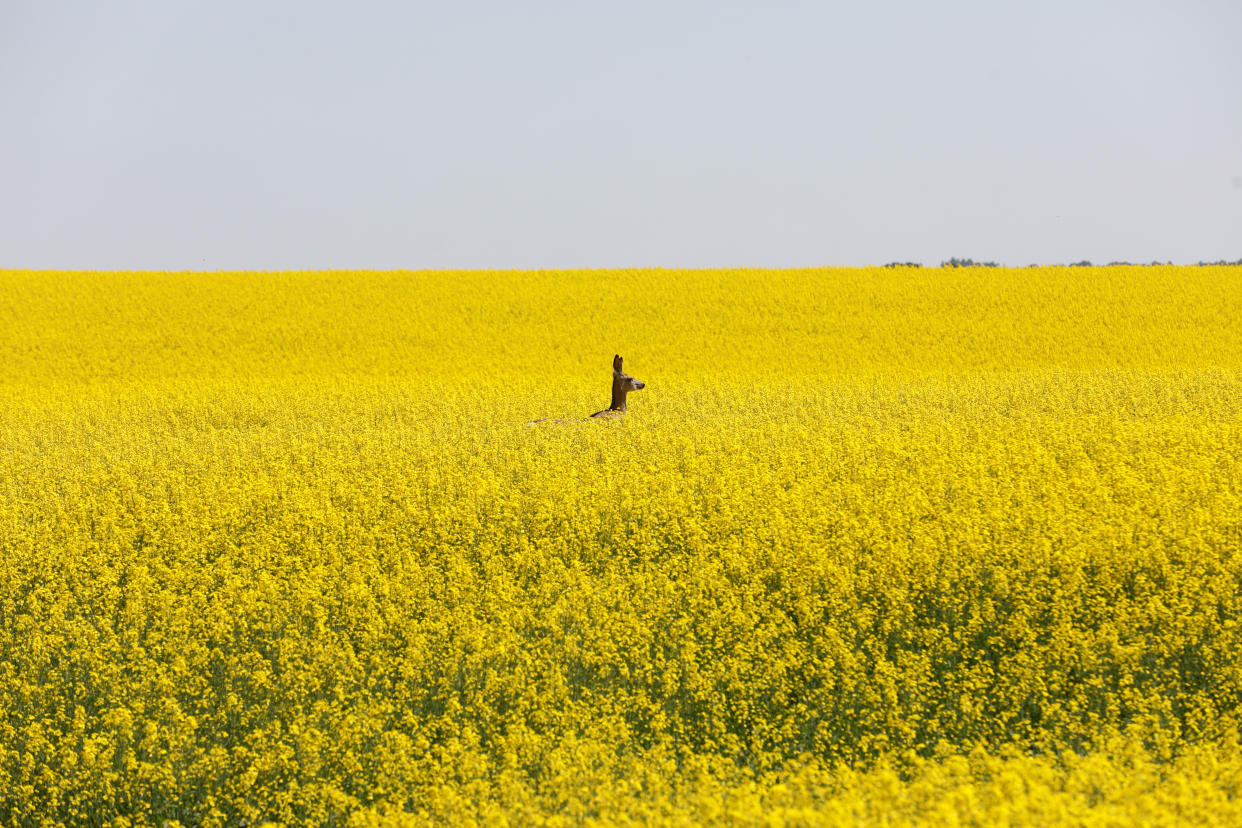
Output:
x=872 y=547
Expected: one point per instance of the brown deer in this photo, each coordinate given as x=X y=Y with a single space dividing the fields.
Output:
x=622 y=384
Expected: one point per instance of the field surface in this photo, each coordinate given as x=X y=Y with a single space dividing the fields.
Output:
x=874 y=546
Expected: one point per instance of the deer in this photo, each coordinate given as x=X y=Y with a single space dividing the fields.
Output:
x=622 y=385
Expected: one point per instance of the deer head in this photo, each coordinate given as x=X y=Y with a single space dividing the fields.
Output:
x=622 y=381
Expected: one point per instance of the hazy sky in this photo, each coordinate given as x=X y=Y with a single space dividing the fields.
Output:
x=223 y=134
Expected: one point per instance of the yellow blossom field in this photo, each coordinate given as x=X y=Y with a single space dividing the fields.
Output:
x=875 y=546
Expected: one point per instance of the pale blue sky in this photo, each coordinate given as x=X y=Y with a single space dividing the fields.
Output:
x=273 y=135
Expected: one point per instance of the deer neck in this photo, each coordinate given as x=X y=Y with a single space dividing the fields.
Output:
x=618 y=396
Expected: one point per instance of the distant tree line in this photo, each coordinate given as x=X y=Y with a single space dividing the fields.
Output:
x=1085 y=263
x=955 y=262
x=967 y=263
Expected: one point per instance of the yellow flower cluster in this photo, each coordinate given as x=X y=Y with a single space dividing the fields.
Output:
x=873 y=546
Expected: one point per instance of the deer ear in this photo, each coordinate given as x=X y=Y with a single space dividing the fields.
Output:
x=616 y=362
